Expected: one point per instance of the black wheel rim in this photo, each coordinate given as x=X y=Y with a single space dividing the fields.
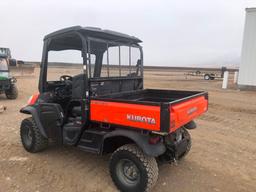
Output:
x=27 y=136
x=127 y=172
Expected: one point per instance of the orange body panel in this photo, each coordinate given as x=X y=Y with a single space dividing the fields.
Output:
x=146 y=116
x=184 y=112
x=116 y=113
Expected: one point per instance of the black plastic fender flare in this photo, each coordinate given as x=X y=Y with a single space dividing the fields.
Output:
x=190 y=125
x=140 y=139
x=32 y=110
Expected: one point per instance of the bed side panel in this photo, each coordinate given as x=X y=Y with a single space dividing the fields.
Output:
x=184 y=112
x=131 y=115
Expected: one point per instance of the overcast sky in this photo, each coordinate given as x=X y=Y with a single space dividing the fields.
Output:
x=174 y=32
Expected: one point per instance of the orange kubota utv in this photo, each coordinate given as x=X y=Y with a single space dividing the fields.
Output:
x=103 y=107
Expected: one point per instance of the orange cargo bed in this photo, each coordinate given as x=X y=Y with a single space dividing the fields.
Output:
x=150 y=109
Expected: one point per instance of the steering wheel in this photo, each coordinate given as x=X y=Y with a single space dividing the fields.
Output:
x=64 y=90
x=65 y=78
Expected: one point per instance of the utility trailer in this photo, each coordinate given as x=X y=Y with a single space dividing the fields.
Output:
x=103 y=108
x=207 y=75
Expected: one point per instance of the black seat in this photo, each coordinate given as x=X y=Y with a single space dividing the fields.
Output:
x=78 y=87
x=76 y=111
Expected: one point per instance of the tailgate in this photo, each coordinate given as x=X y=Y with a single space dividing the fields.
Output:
x=184 y=112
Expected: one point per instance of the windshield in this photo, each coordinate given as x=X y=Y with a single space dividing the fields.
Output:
x=4 y=51
x=65 y=62
x=3 y=64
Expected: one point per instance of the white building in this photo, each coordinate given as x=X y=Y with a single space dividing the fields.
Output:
x=247 y=70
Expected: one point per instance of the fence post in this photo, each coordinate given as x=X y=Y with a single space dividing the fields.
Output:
x=225 y=80
x=235 y=77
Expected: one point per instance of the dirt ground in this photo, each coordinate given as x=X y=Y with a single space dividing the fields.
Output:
x=222 y=158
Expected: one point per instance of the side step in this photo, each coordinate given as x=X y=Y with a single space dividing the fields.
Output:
x=88 y=149
x=71 y=133
x=91 y=141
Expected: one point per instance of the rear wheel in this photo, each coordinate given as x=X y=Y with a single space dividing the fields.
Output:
x=132 y=170
x=186 y=135
x=32 y=139
x=207 y=77
x=12 y=93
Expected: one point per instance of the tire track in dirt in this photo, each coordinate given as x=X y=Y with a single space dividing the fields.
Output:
x=233 y=143
x=251 y=110
x=232 y=125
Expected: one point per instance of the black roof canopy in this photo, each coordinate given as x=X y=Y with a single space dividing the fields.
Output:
x=69 y=38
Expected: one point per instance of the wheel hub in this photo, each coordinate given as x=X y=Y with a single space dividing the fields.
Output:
x=128 y=172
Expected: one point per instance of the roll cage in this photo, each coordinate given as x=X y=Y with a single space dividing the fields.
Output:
x=6 y=52
x=90 y=41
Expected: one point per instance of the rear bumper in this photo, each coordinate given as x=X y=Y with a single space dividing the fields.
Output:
x=177 y=145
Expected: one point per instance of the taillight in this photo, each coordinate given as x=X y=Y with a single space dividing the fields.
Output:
x=154 y=140
x=32 y=100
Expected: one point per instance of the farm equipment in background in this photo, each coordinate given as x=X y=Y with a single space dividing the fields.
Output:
x=7 y=82
x=16 y=67
x=208 y=75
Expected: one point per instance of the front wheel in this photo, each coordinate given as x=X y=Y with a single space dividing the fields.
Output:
x=132 y=170
x=12 y=93
x=32 y=139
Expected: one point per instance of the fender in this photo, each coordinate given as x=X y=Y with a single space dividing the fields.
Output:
x=32 y=110
x=190 y=125
x=140 y=139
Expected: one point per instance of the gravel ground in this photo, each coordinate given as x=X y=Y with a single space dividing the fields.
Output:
x=222 y=158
